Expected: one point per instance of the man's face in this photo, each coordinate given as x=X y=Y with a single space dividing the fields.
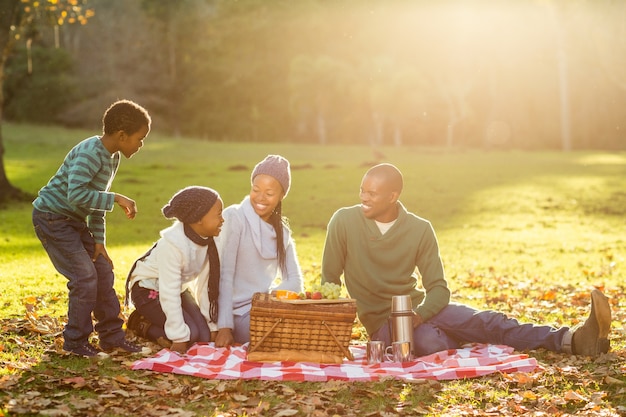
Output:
x=378 y=202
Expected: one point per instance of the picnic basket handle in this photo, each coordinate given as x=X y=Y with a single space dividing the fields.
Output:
x=344 y=350
x=253 y=348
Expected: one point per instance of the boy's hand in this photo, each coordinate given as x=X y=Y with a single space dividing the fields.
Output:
x=100 y=249
x=129 y=205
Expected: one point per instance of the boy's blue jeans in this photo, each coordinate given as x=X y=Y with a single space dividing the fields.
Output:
x=457 y=323
x=70 y=246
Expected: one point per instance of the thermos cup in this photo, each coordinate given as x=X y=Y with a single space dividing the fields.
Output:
x=401 y=319
x=400 y=352
x=375 y=351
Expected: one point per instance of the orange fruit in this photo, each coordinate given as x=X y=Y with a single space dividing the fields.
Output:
x=287 y=295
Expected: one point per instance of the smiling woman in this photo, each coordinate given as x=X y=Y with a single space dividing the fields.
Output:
x=256 y=249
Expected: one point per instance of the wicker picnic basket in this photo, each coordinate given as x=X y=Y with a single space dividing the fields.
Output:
x=279 y=325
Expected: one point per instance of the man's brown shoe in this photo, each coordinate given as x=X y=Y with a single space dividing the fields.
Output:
x=592 y=338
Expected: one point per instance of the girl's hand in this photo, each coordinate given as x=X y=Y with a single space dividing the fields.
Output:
x=180 y=347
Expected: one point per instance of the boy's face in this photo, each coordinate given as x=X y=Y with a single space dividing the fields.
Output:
x=130 y=144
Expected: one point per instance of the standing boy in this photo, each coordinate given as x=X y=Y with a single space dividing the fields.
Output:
x=69 y=220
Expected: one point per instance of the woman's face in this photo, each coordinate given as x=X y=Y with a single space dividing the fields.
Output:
x=265 y=195
x=211 y=223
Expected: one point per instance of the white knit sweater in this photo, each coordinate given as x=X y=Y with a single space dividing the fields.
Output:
x=173 y=266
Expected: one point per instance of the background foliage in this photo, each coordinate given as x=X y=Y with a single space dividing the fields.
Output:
x=472 y=73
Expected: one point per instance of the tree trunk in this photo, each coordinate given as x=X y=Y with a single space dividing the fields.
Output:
x=321 y=129
x=9 y=13
x=566 y=139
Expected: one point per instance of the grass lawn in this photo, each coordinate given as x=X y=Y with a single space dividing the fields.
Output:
x=524 y=233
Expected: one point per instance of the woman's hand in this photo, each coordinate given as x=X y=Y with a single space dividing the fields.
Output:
x=180 y=347
x=224 y=337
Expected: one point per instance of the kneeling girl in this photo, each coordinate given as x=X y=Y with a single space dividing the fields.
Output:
x=175 y=285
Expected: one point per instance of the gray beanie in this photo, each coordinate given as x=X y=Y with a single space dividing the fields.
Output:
x=190 y=204
x=275 y=166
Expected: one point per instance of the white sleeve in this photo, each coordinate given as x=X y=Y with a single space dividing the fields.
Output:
x=228 y=247
x=202 y=294
x=170 y=262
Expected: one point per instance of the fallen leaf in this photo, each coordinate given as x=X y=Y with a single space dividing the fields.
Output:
x=240 y=397
x=286 y=413
x=613 y=381
x=574 y=396
x=76 y=382
x=122 y=379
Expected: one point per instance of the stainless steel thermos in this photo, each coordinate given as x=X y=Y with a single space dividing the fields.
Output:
x=401 y=319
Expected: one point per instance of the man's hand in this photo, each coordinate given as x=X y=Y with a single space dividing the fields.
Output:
x=417 y=319
x=180 y=347
x=129 y=205
x=224 y=337
x=100 y=249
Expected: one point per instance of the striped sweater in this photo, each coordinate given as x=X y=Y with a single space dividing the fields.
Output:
x=79 y=189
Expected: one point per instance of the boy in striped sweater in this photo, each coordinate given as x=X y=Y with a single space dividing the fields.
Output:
x=69 y=220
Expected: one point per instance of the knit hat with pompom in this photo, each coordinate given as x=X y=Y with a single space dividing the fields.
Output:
x=190 y=204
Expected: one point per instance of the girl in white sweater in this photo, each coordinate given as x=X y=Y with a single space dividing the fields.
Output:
x=175 y=286
x=255 y=249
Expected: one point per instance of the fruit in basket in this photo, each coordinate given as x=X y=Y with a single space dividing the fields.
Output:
x=287 y=295
x=317 y=295
x=328 y=290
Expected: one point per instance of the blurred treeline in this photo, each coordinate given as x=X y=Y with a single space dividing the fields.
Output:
x=515 y=74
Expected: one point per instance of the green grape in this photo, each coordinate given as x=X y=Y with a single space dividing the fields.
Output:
x=328 y=290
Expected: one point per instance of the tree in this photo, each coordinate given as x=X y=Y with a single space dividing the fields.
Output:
x=18 y=17
x=317 y=84
x=9 y=11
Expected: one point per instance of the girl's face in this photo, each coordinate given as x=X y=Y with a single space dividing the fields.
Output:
x=211 y=223
x=265 y=195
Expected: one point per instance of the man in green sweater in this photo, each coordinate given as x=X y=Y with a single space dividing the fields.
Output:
x=382 y=250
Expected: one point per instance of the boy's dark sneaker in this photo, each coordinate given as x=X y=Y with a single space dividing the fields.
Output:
x=123 y=345
x=86 y=351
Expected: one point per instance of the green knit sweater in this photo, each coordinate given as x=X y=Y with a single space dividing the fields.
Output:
x=376 y=267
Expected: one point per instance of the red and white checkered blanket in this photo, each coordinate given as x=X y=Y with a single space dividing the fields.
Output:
x=206 y=361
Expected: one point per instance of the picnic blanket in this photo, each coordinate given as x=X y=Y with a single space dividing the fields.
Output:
x=207 y=361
